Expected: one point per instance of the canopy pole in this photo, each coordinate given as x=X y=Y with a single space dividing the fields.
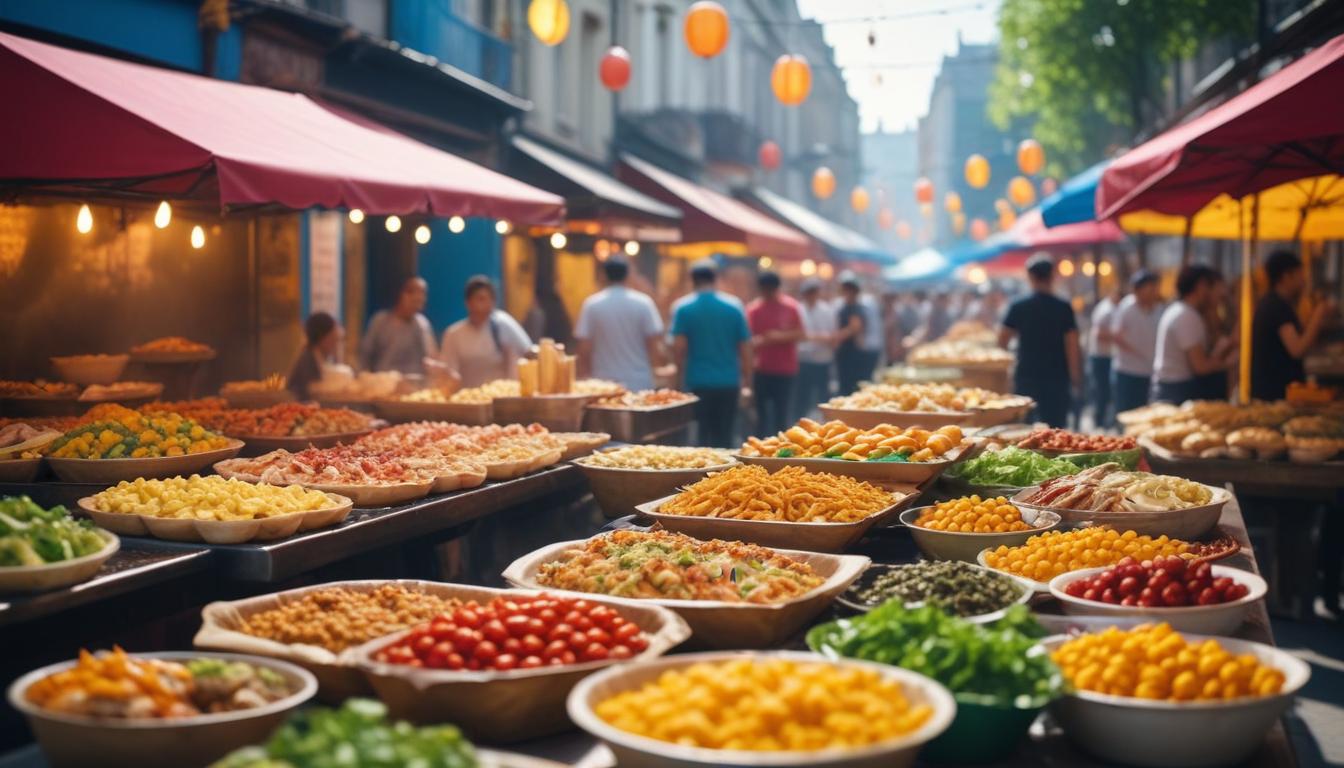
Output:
x=1247 y=301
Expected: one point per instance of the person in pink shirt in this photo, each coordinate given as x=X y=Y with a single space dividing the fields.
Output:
x=776 y=328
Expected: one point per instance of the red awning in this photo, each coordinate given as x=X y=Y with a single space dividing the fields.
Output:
x=709 y=216
x=1030 y=231
x=1287 y=127
x=79 y=122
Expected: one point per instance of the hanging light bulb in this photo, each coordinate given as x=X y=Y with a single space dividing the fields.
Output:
x=456 y=224
x=422 y=234
x=393 y=223
x=1089 y=269
x=558 y=240
x=1104 y=269
x=502 y=226
x=163 y=215
x=632 y=248
x=356 y=216
x=1066 y=268
x=825 y=271
x=84 y=220
x=808 y=268
x=764 y=262
x=197 y=237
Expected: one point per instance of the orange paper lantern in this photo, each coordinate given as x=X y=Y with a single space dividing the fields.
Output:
x=923 y=190
x=1049 y=186
x=769 y=155
x=903 y=230
x=858 y=199
x=1021 y=192
x=886 y=219
x=549 y=20
x=614 y=69
x=1030 y=157
x=791 y=79
x=977 y=171
x=1001 y=205
x=952 y=202
x=706 y=29
x=1007 y=219
x=823 y=182
x=958 y=223
x=979 y=229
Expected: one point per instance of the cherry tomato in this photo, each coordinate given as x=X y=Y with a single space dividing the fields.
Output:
x=473 y=664
x=637 y=643
x=454 y=661
x=1160 y=579
x=468 y=618
x=494 y=631
x=568 y=657
x=536 y=626
x=1091 y=594
x=1130 y=601
x=517 y=624
x=1128 y=586
x=626 y=631
x=506 y=661
x=530 y=662
x=442 y=629
x=485 y=652
x=621 y=652
x=511 y=645
x=554 y=661
x=1174 y=594
x=424 y=644
x=1222 y=583
x=465 y=639
x=548 y=615
x=599 y=635
x=595 y=652
x=1208 y=597
x=556 y=648
x=577 y=641
x=560 y=631
x=1109 y=596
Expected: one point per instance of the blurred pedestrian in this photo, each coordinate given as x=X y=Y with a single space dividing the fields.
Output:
x=400 y=338
x=859 y=338
x=486 y=344
x=776 y=328
x=712 y=344
x=1100 y=351
x=1049 y=362
x=1183 y=350
x=1278 y=339
x=1133 y=333
x=322 y=348
x=619 y=331
x=816 y=352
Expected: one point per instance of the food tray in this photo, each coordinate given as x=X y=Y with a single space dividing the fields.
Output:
x=20 y=470
x=1217 y=619
x=580 y=443
x=512 y=705
x=259 y=444
x=509 y=469
x=618 y=491
x=634 y=425
x=145 y=392
x=1188 y=524
x=72 y=741
x=36 y=578
x=814 y=537
x=558 y=413
x=218 y=531
x=401 y=411
x=881 y=472
x=457 y=480
x=111 y=471
x=1002 y=414
x=90 y=369
x=868 y=419
x=172 y=357
x=337 y=676
x=718 y=624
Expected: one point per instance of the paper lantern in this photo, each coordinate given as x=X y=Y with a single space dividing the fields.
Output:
x=886 y=219
x=549 y=20
x=926 y=210
x=958 y=223
x=979 y=229
x=791 y=79
x=706 y=29
x=977 y=171
x=1007 y=219
x=1020 y=192
x=903 y=230
x=858 y=199
x=1030 y=157
x=614 y=69
x=769 y=155
x=1049 y=186
x=923 y=190
x=823 y=182
x=952 y=202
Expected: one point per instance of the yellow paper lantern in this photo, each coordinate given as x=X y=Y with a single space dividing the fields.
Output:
x=979 y=229
x=791 y=79
x=549 y=20
x=1030 y=157
x=858 y=199
x=977 y=171
x=886 y=219
x=952 y=202
x=958 y=223
x=923 y=190
x=1021 y=192
x=823 y=183
x=706 y=29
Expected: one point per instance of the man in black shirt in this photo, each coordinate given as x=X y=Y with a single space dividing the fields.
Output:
x=1048 y=357
x=1278 y=340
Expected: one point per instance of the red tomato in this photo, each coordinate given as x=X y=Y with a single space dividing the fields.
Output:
x=474 y=665
x=466 y=639
x=556 y=648
x=1128 y=586
x=424 y=644
x=616 y=622
x=554 y=661
x=507 y=608
x=1130 y=601
x=512 y=645
x=530 y=662
x=577 y=641
x=1208 y=597
x=548 y=615
x=595 y=652
x=568 y=657
x=485 y=652
x=494 y=631
x=506 y=661
x=442 y=629
x=1160 y=579
x=583 y=624
x=621 y=652
x=454 y=661
x=517 y=624
x=1174 y=594
x=560 y=631
x=533 y=644
x=637 y=643
x=626 y=631
x=599 y=635
x=536 y=626
x=1108 y=596
x=601 y=614
x=572 y=617
x=1222 y=583
x=1092 y=594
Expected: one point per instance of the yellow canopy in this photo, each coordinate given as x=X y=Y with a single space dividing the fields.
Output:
x=1320 y=199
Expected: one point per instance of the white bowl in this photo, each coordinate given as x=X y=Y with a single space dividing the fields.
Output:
x=62 y=573
x=633 y=751
x=948 y=545
x=90 y=369
x=1189 y=523
x=1222 y=619
x=1179 y=734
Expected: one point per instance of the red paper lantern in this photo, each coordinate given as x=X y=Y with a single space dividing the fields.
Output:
x=614 y=69
x=791 y=79
x=769 y=155
x=706 y=29
x=923 y=190
x=979 y=229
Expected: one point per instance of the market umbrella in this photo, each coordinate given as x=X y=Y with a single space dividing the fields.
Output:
x=1029 y=233
x=923 y=266
x=1307 y=210
x=1075 y=200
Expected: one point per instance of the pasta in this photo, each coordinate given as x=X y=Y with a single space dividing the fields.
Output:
x=208 y=498
x=837 y=440
x=790 y=495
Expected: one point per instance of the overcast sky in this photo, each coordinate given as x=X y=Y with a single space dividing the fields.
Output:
x=912 y=37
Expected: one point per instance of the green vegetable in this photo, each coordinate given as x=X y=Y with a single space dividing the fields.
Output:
x=893 y=457
x=31 y=535
x=784 y=453
x=999 y=664
x=1012 y=466
x=356 y=736
x=958 y=588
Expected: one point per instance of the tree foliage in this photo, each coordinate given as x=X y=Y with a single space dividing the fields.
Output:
x=1092 y=73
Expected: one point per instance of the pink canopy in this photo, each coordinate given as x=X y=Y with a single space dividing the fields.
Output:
x=1287 y=127
x=1031 y=234
x=77 y=122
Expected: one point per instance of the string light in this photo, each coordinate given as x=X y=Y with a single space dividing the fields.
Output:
x=456 y=224
x=1066 y=268
x=356 y=216
x=393 y=223
x=1104 y=269
x=808 y=268
x=764 y=262
x=825 y=271
x=976 y=275
x=502 y=227
x=422 y=234
x=1089 y=269
x=559 y=241
x=632 y=248
x=84 y=220
x=197 y=237
x=164 y=215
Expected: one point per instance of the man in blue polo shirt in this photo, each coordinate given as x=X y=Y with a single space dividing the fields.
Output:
x=713 y=349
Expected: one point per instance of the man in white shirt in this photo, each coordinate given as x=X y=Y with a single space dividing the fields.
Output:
x=1099 y=354
x=815 y=353
x=487 y=344
x=1133 y=335
x=1182 y=337
x=619 y=332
